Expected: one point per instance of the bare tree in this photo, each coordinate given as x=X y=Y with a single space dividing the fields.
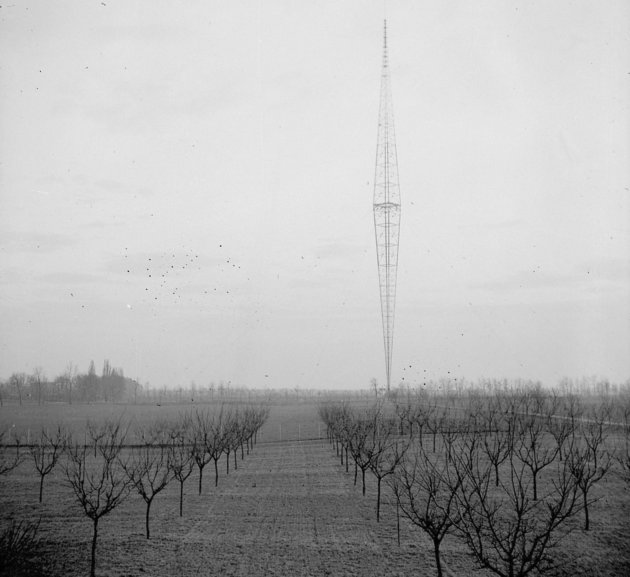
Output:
x=425 y=487
x=9 y=460
x=434 y=419
x=354 y=432
x=574 y=408
x=228 y=433
x=339 y=428
x=507 y=531
x=202 y=437
x=387 y=452
x=496 y=437
x=46 y=451
x=181 y=455
x=36 y=381
x=99 y=484
x=420 y=414
x=97 y=433
x=17 y=381
x=261 y=414
x=403 y=412
x=215 y=443
x=149 y=472
x=532 y=448
x=359 y=435
x=622 y=452
x=69 y=377
x=588 y=459
x=562 y=429
x=622 y=456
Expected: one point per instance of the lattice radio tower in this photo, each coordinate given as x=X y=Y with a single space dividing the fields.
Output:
x=386 y=210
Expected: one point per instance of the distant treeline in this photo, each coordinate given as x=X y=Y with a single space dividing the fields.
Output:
x=111 y=386
x=71 y=386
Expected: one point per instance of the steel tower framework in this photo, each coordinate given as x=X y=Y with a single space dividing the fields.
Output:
x=387 y=210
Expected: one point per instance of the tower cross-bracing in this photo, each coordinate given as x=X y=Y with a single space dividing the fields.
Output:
x=386 y=210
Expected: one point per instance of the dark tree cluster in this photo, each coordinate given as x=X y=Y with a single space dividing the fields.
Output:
x=71 y=386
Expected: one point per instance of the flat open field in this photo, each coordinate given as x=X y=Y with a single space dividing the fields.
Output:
x=290 y=509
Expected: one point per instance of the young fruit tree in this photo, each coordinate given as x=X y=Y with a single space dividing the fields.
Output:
x=215 y=443
x=588 y=460
x=359 y=434
x=202 y=437
x=508 y=531
x=46 y=451
x=622 y=451
x=387 y=452
x=533 y=447
x=149 y=472
x=181 y=456
x=99 y=484
x=425 y=486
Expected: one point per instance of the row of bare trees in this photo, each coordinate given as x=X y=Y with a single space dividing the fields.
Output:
x=113 y=459
x=505 y=474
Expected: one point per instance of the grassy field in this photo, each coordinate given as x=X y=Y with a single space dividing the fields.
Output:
x=287 y=420
x=289 y=509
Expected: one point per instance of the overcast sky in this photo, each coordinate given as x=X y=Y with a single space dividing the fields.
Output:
x=186 y=189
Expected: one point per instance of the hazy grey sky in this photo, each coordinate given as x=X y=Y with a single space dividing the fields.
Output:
x=186 y=189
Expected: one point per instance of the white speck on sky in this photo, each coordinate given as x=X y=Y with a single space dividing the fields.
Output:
x=186 y=189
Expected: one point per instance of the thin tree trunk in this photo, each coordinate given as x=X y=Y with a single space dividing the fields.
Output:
x=216 y=472
x=356 y=472
x=93 y=561
x=41 y=487
x=200 y=477
x=398 y=521
x=227 y=462
x=587 y=524
x=363 y=479
x=181 y=498
x=438 y=562
x=146 y=520
x=346 y=458
x=378 y=500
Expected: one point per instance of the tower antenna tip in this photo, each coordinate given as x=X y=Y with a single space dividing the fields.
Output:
x=385 y=43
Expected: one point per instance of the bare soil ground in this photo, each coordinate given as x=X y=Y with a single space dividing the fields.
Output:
x=290 y=509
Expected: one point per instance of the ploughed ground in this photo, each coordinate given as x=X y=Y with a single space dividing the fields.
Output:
x=290 y=509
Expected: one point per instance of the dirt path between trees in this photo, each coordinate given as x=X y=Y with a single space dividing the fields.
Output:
x=286 y=511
